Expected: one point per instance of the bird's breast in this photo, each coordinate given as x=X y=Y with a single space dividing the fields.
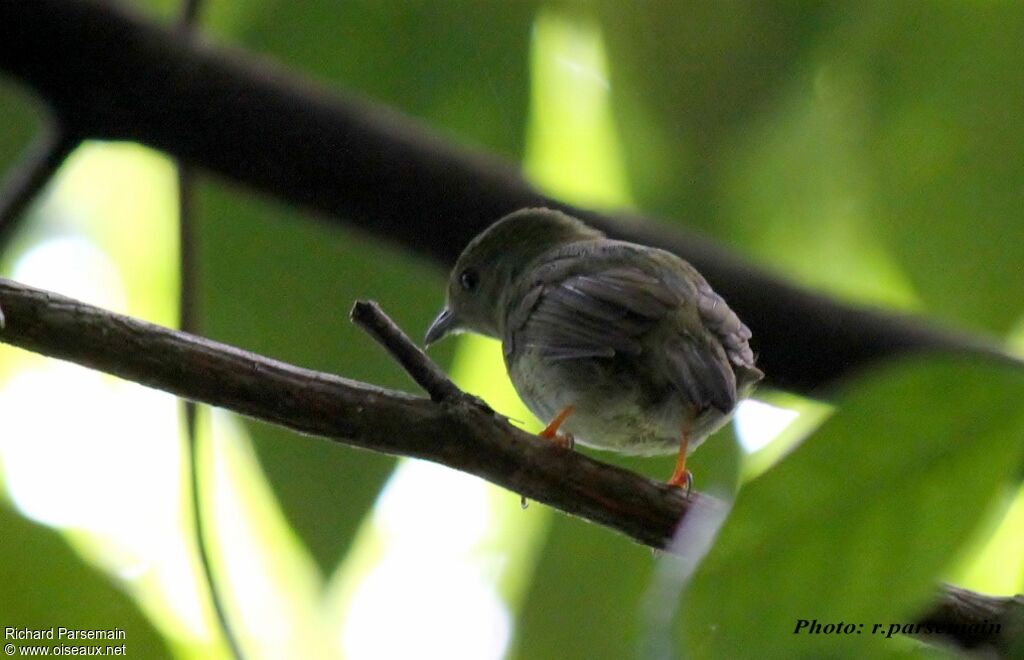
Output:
x=618 y=406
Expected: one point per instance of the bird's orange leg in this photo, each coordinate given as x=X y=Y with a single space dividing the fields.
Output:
x=681 y=477
x=550 y=432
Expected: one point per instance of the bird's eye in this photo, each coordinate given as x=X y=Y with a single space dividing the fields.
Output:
x=469 y=279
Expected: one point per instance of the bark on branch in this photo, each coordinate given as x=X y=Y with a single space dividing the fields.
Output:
x=455 y=430
x=109 y=74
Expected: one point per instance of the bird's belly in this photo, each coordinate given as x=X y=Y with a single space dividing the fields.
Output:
x=614 y=407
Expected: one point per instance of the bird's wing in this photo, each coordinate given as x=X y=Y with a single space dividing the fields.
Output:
x=590 y=315
x=712 y=369
x=612 y=311
x=727 y=328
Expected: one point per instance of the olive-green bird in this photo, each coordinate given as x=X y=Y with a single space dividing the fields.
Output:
x=622 y=346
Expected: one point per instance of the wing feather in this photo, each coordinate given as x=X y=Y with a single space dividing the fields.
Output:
x=613 y=311
x=594 y=315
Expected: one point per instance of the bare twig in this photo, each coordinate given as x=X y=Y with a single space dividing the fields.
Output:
x=27 y=177
x=458 y=434
x=434 y=381
x=115 y=75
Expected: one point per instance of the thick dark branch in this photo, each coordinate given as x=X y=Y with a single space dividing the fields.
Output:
x=457 y=432
x=27 y=177
x=116 y=76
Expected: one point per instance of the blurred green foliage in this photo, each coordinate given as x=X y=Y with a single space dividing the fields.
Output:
x=845 y=143
x=873 y=150
x=44 y=584
x=855 y=524
x=19 y=111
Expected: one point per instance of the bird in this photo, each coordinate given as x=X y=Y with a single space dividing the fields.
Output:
x=614 y=345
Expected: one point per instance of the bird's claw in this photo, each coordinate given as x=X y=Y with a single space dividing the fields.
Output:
x=683 y=480
x=563 y=440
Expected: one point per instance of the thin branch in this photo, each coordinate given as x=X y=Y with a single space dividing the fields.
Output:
x=190 y=417
x=434 y=381
x=118 y=76
x=456 y=432
x=188 y=320
x=27 y=177
x=188 y=274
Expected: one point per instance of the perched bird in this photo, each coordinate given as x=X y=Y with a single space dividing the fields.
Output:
x=622 y=346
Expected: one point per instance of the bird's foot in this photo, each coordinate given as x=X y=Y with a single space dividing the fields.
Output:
x=550 y=432
x=563 y=440
x=682 y=479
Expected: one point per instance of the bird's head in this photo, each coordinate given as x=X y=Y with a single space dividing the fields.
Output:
x=480 y=282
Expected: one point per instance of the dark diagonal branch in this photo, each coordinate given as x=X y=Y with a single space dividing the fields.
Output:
x=457 y=431
x=27 y=177
x=117 y=76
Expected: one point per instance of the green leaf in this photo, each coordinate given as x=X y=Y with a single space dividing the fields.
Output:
x=858 y=523
x=685 y=76
x=948 y=150
x=837 y=142
x=43 y=584
x=19 y=116
x=21 y=119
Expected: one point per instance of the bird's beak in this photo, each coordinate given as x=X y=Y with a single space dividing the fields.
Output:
x=442 y=325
